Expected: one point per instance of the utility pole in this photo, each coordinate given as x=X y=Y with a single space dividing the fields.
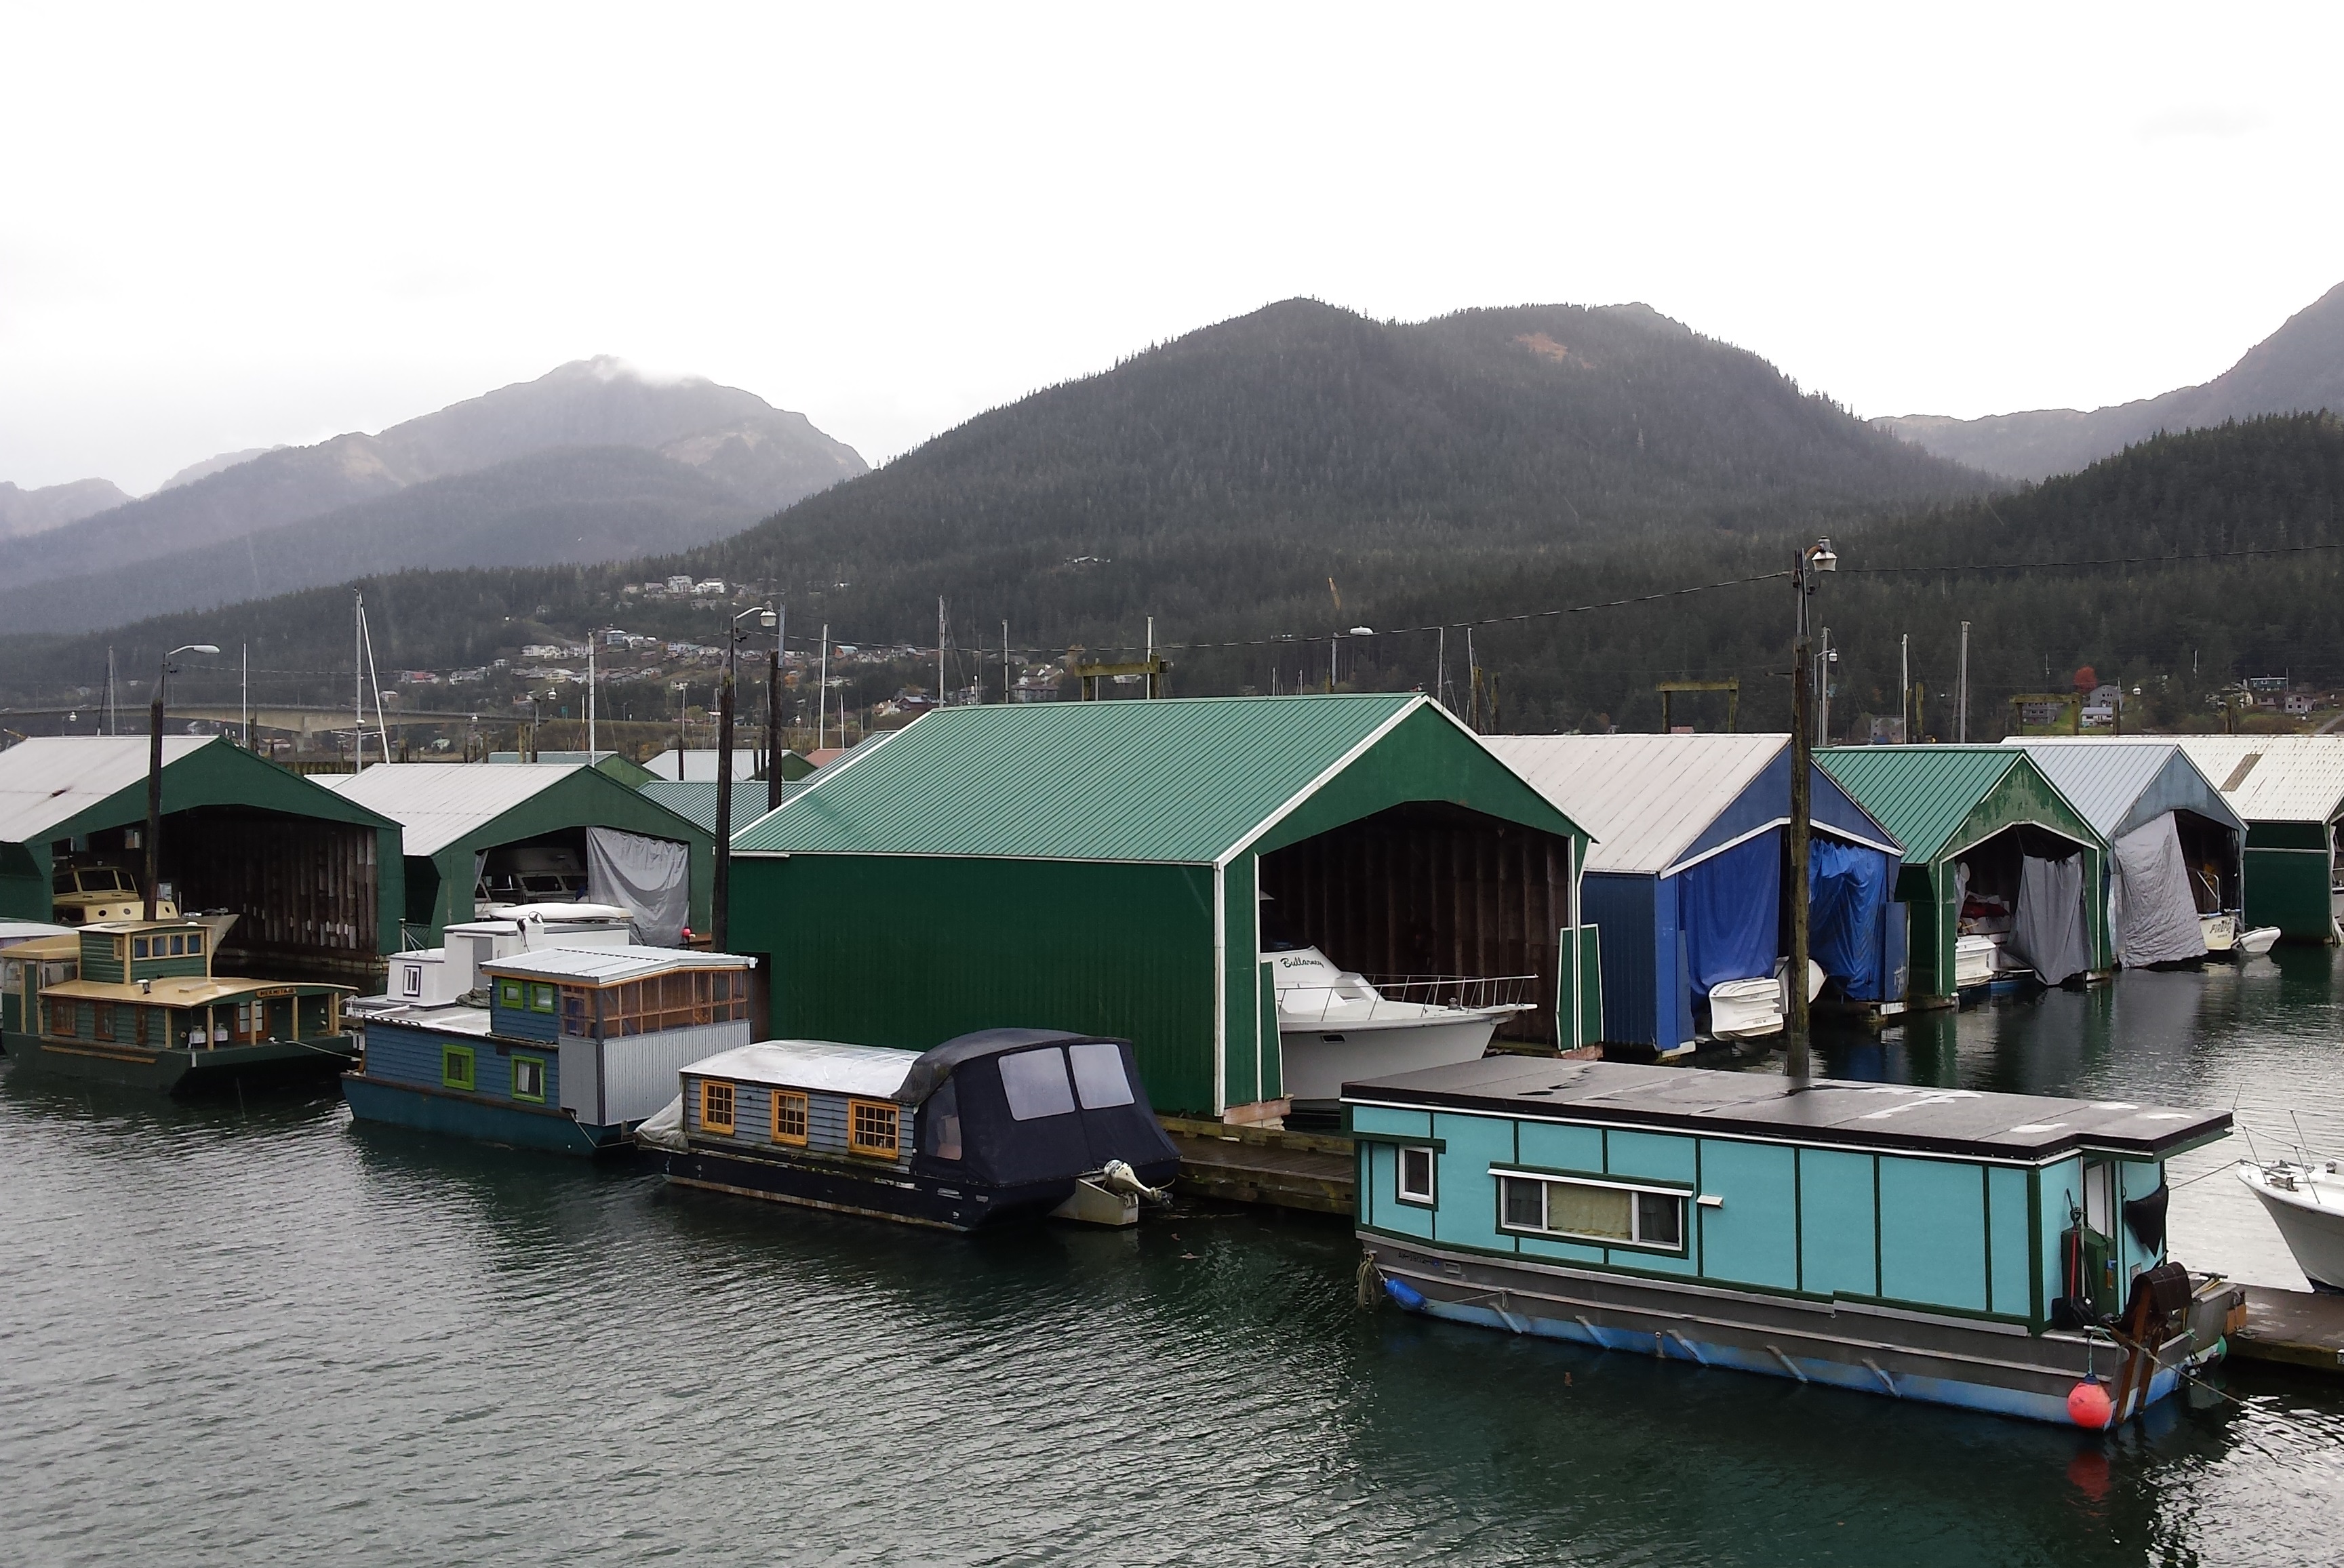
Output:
x=940 y=651
x=1817 y=557
x=773 y=711
x=720 y=895
x=1962 y=691
x=154 y=769
x=1904 y=685
x=591 y=638
x=1440 y=669
x=246 y=699
x=821 y=693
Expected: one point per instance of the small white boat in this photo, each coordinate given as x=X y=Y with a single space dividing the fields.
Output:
x=1752 y=1009
x=1974 y=961
x=2255 y=943
x=1333 y=1025
x=2306 y=1201
x=2221 y=933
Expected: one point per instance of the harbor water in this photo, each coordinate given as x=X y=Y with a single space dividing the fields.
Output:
x=244 y=1332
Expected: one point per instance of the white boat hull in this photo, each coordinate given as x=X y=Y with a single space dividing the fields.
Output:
x=2255 y=943
x=2309 y=1216
x=1320 y=1057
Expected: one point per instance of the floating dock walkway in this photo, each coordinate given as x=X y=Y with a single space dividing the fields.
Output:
x=1307 y=1171
x=2292 y=1328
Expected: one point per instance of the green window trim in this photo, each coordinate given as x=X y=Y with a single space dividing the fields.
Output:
x=456 y=1067
x=527 y=1071
x=540 y=997
x=511 y=993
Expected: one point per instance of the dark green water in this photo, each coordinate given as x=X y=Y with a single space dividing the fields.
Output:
x=252 y=1335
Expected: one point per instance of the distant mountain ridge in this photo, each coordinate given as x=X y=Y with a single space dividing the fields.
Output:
x=2300 y=368
x=27 y=512
x=766 y=457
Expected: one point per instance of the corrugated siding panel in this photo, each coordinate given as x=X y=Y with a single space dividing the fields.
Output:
x=908 y=953
x=1169 y=781
x=639 y=1071
x=2120 y=785
x=2293 y=779
x=694 y=800
x=437 y=803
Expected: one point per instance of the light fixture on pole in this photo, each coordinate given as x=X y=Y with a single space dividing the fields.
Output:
x=1814 y=561
x=155 y=767
x=719 y=894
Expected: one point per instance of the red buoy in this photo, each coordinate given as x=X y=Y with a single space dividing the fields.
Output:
x=2088 y=1404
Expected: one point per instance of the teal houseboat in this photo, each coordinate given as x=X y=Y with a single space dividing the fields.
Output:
x=143 y=1008
x=1998 y=1251
x=573 y=1047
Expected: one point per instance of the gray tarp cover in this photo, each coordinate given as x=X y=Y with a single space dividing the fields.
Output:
x=2156 y=916
x=2047 y=930
x=648 y=877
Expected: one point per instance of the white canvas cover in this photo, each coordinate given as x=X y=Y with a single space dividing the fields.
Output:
x=2155 y=916
x=2049 y=929
x=648 y=877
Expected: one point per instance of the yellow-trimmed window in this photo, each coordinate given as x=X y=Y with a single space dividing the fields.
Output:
x=788 y=1117
x=871 y=1128
x=715 y=1106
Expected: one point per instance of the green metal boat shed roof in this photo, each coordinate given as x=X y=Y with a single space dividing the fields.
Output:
x=1922 y=794
x=1187 y=781
x=1109 y=866
x=311 y=874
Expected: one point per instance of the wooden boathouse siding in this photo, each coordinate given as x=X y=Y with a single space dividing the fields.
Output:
x=1097 y=867
x=1974 y=1237
x=827 y=1123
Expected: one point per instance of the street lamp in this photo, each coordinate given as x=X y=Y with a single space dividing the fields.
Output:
x=155 y=766
x=1814 y=561
x=719 y=923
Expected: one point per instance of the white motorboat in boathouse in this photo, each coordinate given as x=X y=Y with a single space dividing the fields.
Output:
x=1334 y=1024
x=2305 y=1198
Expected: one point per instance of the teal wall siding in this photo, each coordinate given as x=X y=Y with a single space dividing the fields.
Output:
x=1836 y=1224
x=1562 y=1148
x=1664 y=1157
x=401 y=1054
x=1933 y=1233
x=1398 y=1123
x=1469 y=1194
x=1381 y=1200
x=2006 y=1224
x=1753 y=1238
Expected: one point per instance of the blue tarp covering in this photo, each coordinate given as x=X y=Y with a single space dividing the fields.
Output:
x=1730 y=908
x=1848 y=889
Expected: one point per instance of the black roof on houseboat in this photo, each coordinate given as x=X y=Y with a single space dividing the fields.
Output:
x=936 y=1063
x=1826 y=1112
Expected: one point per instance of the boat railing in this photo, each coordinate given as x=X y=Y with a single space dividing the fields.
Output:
x=1474 y=993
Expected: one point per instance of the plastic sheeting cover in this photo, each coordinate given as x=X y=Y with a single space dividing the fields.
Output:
x=2156 y=915
x=648 y=877
x=664 y=1127
x=2049 y=929
x=1848 y=889
x=1729 y=907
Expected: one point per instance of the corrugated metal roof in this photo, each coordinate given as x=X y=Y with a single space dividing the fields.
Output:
x=694 y=799
x=437 y=803
x=1920 y=793
x=1174 y=780
x=826 y=1065
x=2119 y=784
x=46 y=780
x=2273 y=778
x=604 y=966
x=1645 y=798
x=698 y=765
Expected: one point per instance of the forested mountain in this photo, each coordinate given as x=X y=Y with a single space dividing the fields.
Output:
x=27 y=512
x=568 y=505
x=2175 y=629
x=766 y=456
x=2299 y=368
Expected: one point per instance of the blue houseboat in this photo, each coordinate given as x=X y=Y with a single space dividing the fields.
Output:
x=574 y=1046
x=999 y=1125
x=1688 y=881
x=1996 y=1251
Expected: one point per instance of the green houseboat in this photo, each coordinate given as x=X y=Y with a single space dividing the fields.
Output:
x=25 y=967
x=144 y=1009
x=2000 y=1252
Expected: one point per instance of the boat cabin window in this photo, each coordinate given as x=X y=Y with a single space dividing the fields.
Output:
x=102 y=1020
x=943 y=1113
x=1602 y=1211
x=715 y=1106
x=1416 y=1176
x=410 y=979
x=138 y=947
x=1034 y=1083
x=788 y=1117
x=2100 y=1197
x=871 y=1127
x=456 y=1066
x=540 y=997
x=529 y=1078
x=1099 y=1079
x=511 y=993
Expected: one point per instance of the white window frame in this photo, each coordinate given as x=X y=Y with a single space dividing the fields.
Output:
x=1430 y=1197
x=1680 y=1247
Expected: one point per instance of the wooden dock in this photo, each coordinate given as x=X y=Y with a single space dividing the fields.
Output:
x=2292 y=1328
x=1307 y=1171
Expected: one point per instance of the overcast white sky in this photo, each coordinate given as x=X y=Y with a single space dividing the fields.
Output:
x=230 y=225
